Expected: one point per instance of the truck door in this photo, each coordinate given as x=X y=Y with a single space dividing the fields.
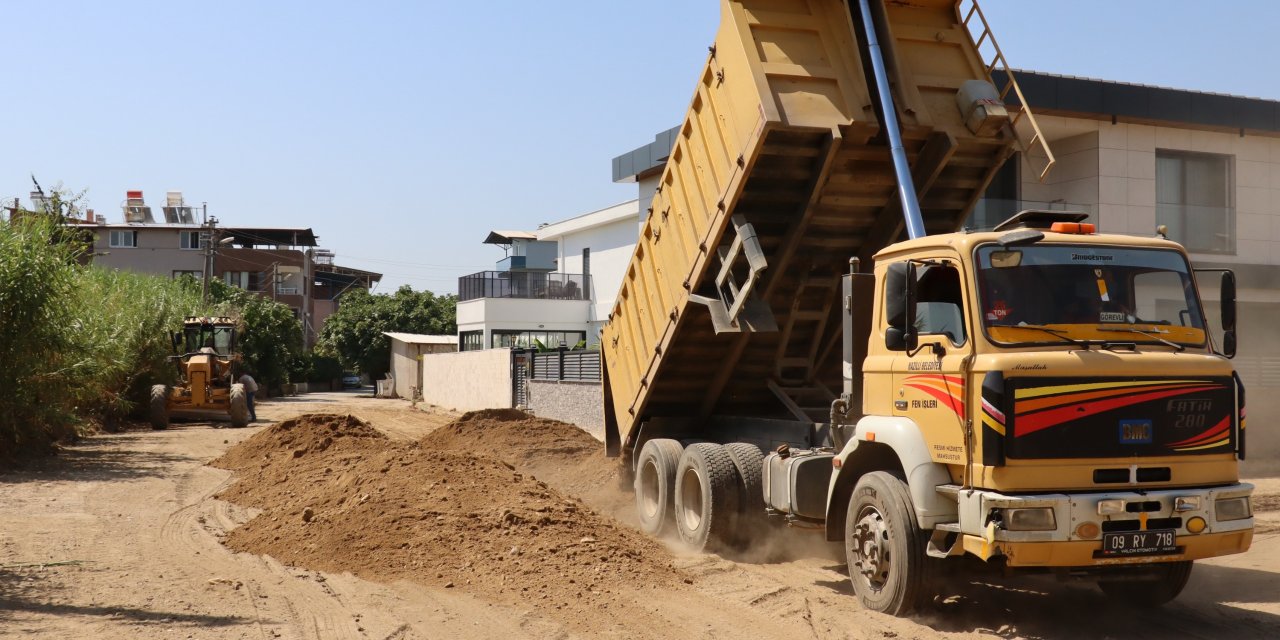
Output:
x=928 y=383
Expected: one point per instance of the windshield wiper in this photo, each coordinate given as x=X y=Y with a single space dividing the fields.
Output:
x=1144 y=333
x=1057 y=333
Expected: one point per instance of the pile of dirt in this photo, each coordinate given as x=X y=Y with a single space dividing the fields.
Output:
x=337 y=496
x=560 y=454
x=296 y=437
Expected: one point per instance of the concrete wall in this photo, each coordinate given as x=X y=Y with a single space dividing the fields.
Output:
x=405 y=368
x=611 y=248
x=577 y=403
x=158 y=251
x=1123 y=162
x=467 y=381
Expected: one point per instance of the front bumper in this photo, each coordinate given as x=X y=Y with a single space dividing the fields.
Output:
x=986 y=537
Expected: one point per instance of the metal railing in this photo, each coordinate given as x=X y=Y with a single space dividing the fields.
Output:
x=561 y=364
x=521 y=284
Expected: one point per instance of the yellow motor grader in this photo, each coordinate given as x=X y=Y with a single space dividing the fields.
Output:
x=204 y=353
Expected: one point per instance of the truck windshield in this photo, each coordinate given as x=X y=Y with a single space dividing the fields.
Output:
x=1068 y=293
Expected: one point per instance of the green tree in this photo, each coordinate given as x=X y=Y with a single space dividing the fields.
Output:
x=270 y=336
x=355 y=332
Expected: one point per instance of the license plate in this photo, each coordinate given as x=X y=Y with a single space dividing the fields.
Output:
x=1140 y=543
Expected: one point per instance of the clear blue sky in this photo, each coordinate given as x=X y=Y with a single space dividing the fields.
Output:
x=401 y=132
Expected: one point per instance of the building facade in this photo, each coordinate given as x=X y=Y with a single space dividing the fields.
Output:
x=553 y=287
x=281 y=263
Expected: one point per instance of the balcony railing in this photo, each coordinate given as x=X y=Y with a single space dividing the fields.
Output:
x=530 y=285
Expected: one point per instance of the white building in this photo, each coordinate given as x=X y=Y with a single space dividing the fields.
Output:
x=554 y=286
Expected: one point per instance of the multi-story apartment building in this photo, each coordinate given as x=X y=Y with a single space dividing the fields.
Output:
x=278 y=262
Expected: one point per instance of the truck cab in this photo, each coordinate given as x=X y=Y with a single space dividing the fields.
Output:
x=1048 y=398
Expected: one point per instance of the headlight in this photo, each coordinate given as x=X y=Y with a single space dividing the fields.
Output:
x=1110 y=507
x=1232 y=508
x=1036 y=519
x=1186 y=503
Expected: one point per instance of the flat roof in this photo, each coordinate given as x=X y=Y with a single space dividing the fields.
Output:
x=250 y=236
x=501 y=236
x=1056 y=94
x=629 y=210
x=418 y=338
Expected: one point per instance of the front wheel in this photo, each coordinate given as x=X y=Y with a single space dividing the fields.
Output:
x=158 y=411
x=884 y=545
x=239 y=408
x=1162 y=588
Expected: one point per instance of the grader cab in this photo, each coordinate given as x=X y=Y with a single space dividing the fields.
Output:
x=204 y=353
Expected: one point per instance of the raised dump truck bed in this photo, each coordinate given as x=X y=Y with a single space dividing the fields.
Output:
x=779 y=175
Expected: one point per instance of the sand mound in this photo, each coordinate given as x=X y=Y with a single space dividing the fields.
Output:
x=386 y=510
x=561 y=454
x=297 y=437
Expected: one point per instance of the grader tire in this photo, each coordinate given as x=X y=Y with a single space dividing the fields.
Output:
x=158 y=411
x=239 y=408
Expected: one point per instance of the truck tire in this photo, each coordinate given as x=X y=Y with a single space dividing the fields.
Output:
x=884 y=546
x=707 y=497
x=748 y=459
x=158 y=410
x=239 y=409
x=1170 y=578
x=655 y=479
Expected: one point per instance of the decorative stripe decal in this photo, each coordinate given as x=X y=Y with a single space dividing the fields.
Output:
x=990 y=422
x=994 y=412
x=1053 y=417
x=940 y=387
x=1037 y=392
x=1028 y=406
x=1216 y=431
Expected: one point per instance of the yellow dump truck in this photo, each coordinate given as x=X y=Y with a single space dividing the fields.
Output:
x=1038 y=395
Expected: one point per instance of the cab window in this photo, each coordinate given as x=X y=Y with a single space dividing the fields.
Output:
x=940 y=304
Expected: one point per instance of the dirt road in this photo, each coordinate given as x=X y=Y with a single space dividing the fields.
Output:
x=120 y=538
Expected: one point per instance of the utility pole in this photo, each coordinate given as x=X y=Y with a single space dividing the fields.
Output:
x=308 y=279
x=212 y=239
x=209 y=237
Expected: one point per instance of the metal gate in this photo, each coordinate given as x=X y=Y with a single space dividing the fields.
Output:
x=520 y=361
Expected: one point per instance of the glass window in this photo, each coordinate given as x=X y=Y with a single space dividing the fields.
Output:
x=471 y=340
x=536 y=339
x=123 y=239
x=188 y=239
x=1060 y=293
x=939 y=303
x=1194 y=199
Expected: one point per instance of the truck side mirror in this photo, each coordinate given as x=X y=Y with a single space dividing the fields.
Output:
x=1228 y=298
x=900 y=307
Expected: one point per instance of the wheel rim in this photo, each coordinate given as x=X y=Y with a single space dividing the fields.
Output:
x=869 y=546
x=648 y=491
x=691 y=499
